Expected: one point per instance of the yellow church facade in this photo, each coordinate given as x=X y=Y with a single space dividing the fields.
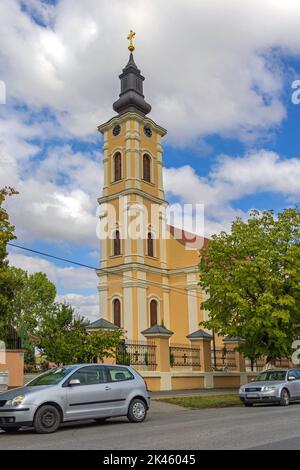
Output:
x=149 y=270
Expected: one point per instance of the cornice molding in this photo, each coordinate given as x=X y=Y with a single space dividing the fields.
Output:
x=124 y=117
x=132 y=191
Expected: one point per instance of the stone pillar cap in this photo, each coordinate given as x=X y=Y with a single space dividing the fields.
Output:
x=233 y=339
x=200 y=334
x=157 y=330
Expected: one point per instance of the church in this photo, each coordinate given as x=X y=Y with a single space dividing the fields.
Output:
x=149 y=270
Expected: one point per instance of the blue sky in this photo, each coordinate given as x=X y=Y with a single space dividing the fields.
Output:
x=219 y=81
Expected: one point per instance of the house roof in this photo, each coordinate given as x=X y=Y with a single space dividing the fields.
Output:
x=102 y=323
x=188 y=239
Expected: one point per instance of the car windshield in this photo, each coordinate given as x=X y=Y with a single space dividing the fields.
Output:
x=271 y=375
x=52 y=377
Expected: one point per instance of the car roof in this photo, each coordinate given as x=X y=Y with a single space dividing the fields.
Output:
x=281 y=369
x=91 y=364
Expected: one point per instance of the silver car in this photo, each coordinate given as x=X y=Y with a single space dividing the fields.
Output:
x=72 y=393
x=272 y=386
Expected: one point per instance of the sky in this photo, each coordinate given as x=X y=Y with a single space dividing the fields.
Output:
x=219 y=77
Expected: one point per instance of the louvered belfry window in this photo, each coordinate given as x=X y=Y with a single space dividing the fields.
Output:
x=117 y=167
x=146 y=168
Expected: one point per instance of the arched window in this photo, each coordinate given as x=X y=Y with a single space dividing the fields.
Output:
x=146 y=168
x=150 y=245
x=153 y=313
x=117 y=312
x=117 y=244
x=117 y=167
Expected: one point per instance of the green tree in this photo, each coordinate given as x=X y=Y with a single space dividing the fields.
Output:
x=32 y=300
x=8 y=284
x=63 y=339
x=6 y=229
x=252 y=278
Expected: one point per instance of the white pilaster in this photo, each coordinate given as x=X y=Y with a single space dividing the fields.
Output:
x=127 y=307
x=142 y=304
x=192 y=302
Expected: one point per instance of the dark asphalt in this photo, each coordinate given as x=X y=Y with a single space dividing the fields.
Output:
x=172 y=427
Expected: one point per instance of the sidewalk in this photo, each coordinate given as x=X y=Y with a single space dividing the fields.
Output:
x=192 y=393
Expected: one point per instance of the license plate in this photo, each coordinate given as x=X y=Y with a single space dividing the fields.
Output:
x=252 y=395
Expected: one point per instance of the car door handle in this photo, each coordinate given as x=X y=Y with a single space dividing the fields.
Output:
x=107 y=388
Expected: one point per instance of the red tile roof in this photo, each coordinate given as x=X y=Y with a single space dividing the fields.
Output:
x=189 y=240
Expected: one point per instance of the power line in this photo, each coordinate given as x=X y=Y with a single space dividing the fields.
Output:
x=105 y=271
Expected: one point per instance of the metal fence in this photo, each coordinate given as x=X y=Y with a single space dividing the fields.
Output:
x=184 y=356
x=223 y=359
x=260 y=364
x=11 y=339
x=139 y=354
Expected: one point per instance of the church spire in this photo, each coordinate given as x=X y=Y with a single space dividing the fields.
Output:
x=131 y=97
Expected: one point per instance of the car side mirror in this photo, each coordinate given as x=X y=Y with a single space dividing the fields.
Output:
x=292 y=377
x=74 y=382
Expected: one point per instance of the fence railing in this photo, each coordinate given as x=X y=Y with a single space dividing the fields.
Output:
x=260 y=364
x=11 y=339
x=223 y=359
x=139 y=354
x=257 y=366
x=184 y=356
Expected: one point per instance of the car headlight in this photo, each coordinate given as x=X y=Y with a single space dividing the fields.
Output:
x=15 y=401
x=268 y=388
x=242 y=390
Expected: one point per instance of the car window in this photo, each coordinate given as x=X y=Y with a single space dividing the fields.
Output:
x=296 y=373
x=51 y=377
x=119 y=374
x=91 y=375
x=271 y=375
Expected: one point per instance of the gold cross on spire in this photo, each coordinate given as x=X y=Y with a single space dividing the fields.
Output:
x=130 y=38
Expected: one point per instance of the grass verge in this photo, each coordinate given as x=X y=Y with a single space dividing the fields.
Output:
x=215 y=401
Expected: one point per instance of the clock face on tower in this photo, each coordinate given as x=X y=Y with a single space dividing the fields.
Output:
x=147 y=131
x=116 y=130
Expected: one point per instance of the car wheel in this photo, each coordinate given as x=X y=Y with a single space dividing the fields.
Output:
x=284 y=398
x=47 y=419
x=137 y=411
x=248 y=404
x=10 y=430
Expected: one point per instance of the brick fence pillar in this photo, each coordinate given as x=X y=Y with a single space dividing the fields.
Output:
x=232 y=343
x=160 y=336
x=202 y=340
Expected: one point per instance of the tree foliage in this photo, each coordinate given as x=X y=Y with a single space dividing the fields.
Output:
x=63 y=339
x=252 y=278
x=32 y=300
x=8 y=285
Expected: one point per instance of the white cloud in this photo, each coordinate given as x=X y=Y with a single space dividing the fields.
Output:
x=216 y=72
x=229 y=82
x=84 y=305
x=65 y=277
x=231 y=179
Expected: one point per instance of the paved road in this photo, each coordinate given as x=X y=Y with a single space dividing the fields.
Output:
x=172 y=427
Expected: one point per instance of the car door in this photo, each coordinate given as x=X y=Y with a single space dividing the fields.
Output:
x=293 y=385
x=89 y=398
x=121 y=383
x=296 y=383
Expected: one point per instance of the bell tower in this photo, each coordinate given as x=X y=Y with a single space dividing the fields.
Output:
x=133 y=248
